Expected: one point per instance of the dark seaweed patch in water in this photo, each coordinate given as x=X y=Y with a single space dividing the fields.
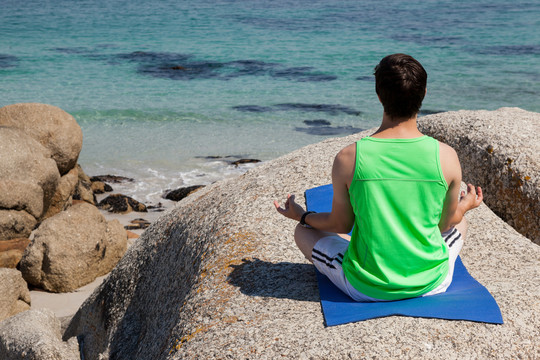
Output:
x=509 y=50
x=329 y=130
x=191 y=71
x=249 y=68
x=183 y=67
x=429 y=112
x=253 y=108
x=8 y=61
x=366 y=78
x=303 y=74
x=317 y=122
x=79 y=50
x=330 y=109
x=325 y=108
x=154 y=57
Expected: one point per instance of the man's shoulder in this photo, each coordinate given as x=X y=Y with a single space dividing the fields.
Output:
x=344 y=162
x=447 y=151
x=347 y=155
x=450 y=165
x=349 y=150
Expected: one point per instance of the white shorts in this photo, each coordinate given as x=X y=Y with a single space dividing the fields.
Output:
x=328 y=253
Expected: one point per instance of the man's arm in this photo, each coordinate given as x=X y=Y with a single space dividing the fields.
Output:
x=455 y=204
x=341 y=218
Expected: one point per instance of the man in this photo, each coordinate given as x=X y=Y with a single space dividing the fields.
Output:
x=400 y=190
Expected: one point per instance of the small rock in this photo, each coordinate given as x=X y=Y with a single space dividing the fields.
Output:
x=138 y=224
x=118 y=203
x=245 y=161
x=156 y=208
x=115 y=179
x=99 y=187
x=179 y=194
x=132 y=235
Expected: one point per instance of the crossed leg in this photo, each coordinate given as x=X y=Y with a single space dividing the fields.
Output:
x=307 y=238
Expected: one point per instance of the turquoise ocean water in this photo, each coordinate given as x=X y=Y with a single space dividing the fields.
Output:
x=158 y=86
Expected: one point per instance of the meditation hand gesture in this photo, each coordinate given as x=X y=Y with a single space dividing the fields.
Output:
x=291 y=209
x=470 y=200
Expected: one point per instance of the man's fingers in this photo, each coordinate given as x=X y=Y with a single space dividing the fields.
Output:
x=480 y=195
x=280 y=209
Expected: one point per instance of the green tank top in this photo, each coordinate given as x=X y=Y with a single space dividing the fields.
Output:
x=397 y=194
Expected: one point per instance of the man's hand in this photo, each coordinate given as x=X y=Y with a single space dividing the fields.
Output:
x=291 y=209
x=471 y=200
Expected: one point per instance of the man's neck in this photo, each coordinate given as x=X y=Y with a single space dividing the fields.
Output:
x=396 y=128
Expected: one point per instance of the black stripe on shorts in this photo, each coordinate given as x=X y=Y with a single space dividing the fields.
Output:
x=451 y=238
x=322 y=258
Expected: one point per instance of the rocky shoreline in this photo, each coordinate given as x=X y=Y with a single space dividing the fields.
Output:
x=218 y=275
x=51 y=234
x=61 y=231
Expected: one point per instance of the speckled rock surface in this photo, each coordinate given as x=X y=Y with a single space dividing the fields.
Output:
x=63 y=195
x=28 y=181
x=54 y=128
x=500 y=151
x=219 y=276
x=35 y=335
x=14 y=294
x=72 y=248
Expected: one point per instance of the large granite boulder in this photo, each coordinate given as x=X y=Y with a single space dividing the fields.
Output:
x=219 y=276
x=28 y=181
x=499 y=150
x=51 y=126
x=72 y=248
x=14 y=294
x=35 y=335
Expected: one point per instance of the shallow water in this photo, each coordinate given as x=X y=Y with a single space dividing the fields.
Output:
x=157 y=87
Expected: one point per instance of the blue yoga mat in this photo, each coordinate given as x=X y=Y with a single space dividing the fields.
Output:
x=465 y=299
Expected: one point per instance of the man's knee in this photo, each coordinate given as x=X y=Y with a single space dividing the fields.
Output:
x=462 y=227
x=299 y=233
x=305 y=240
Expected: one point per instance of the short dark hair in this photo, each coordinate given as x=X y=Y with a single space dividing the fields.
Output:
x=400 y=82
